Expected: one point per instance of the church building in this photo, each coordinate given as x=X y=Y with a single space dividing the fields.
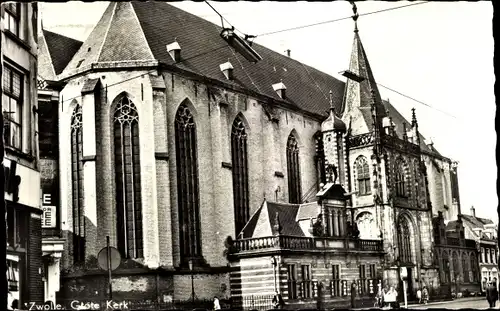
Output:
x=217 y=172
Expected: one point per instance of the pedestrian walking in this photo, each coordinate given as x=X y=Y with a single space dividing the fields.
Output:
x=491 y=294
x=278 y=301
x=425 y=295
x=419 y=296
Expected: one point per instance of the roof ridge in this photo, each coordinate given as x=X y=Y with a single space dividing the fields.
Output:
x=107 y=30
x=142 y=30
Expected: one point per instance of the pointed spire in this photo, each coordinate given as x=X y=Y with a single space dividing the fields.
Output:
x=361 y=93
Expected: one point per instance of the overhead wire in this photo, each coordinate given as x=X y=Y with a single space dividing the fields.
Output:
x=337 y=20
x=224 y=19
x=415 y=100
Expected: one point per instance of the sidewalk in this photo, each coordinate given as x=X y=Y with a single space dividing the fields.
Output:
x=413 y=305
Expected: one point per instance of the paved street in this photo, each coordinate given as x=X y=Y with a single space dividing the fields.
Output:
x=464 y=303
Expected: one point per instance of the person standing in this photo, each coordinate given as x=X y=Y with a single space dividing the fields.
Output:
x=353 y=294
x=419 y=296
x=216 y=304
x=491 y=294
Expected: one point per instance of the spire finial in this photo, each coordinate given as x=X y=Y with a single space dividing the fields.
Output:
x=413 y=117
x=355 y=16
x=331 y=100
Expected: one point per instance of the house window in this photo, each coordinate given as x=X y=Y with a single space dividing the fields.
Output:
x=362 y=286
x=77 y=185
x=128 y=179
x=12 y=17
x=293 y=167
x=320 y=159
x=481 y=258
x=336 y=286
x=12 y=107
x=187 y=184
x=17 y=229
x=465 y=268
x=12 y=276
x=306 y=281
x=240 y=174
x=404 y=241
x=400 y=178
x=373 y=271
x=363 y=176
x=291 y=281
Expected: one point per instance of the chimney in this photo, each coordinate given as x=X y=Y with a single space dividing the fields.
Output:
x=280 y=89
x=288 y=52
x=473 y=211
x=174 y=49
x=227 y=70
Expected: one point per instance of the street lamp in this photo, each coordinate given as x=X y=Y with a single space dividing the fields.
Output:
x=192 y=278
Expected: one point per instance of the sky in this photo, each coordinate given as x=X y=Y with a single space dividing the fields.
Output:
x=439 y=53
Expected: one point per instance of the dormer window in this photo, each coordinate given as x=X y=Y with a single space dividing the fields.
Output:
x=174 y=49
x=280 y=89
x=227 y=70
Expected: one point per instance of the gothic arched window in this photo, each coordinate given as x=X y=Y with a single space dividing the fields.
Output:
x=187 y=184
x=400 y=178
x=465 y=268
x=320 y=159
x=128 y=179
x=456 y=267
x=240 y=174
x=363 y=176
x=445 y=277
x=293 y=168
x=404 y=241
x=473 y=266
x=77 y=185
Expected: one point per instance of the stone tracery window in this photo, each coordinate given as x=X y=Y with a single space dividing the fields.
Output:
x=400 y=178
x=187 y=184
x=293 y=167
x=77 y=186
x=363 y=176
x=404 y=241
x=240 y=174
x=128 y=179
x=465 y=267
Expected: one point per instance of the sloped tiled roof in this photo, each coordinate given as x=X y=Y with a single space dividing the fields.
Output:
x=202 y=51
x=61 y=49
x=54 y=53
x=477 y=222
x=265 y=217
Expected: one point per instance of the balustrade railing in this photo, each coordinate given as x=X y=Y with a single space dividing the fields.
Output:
x=361 y=140
x=303 y=243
